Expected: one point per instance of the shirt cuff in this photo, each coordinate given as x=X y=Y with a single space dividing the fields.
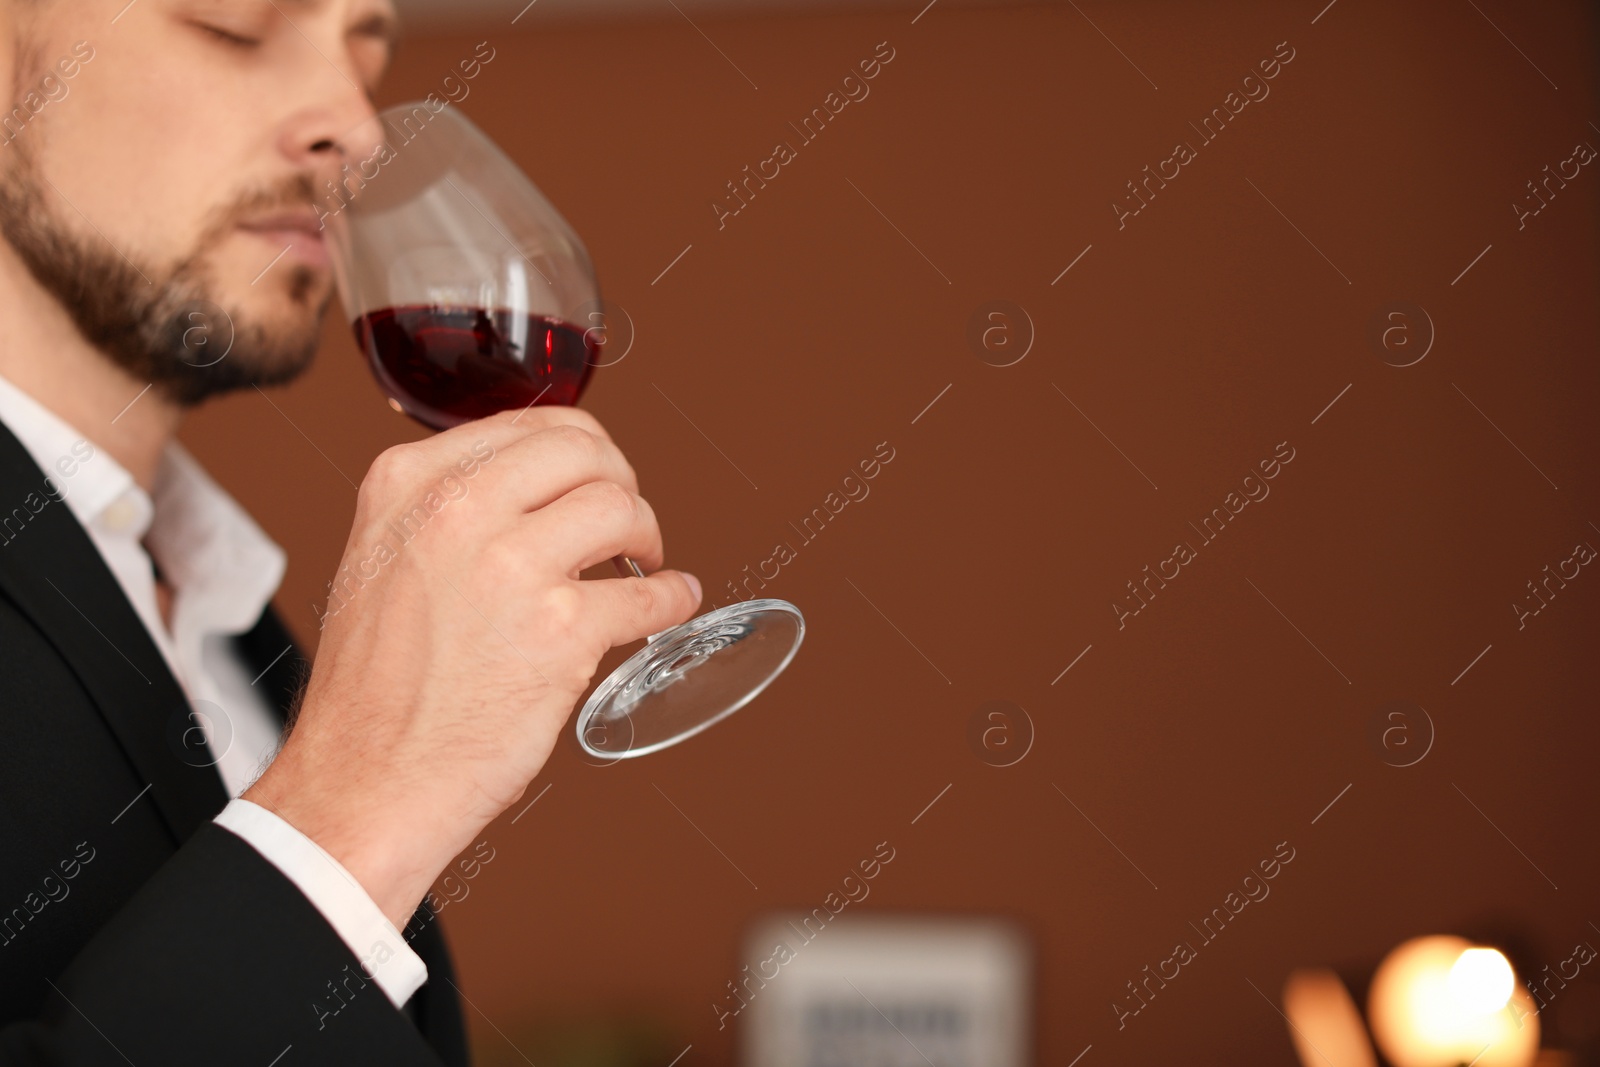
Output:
x=359 y=922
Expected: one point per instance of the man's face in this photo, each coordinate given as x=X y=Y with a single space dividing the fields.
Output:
x=164 y=190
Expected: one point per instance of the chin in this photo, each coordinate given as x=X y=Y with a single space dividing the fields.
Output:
x=266 y=275
x=284 y=308
x=295 y=286
x=263 y=337
x=257 y=360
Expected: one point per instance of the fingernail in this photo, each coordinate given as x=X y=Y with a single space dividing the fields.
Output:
x=694 y=584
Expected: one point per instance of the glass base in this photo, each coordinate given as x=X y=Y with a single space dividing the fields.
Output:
x=689 y=677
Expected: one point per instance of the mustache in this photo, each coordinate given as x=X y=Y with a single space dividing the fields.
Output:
x=293 y=191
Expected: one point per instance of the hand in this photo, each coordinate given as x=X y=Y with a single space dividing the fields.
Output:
x=458 y=639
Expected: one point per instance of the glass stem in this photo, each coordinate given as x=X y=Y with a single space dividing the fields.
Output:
x=626 y=567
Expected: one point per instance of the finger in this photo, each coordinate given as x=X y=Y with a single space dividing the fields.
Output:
x=538 y=469
x=630 y=609
x=538 y=417
x=504 y=428
x=592 y=523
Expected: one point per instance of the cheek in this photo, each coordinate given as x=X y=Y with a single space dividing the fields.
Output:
x=98 y=155
x=142 y=153
x=7 y=49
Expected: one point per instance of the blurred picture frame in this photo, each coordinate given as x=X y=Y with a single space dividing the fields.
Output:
x=889 y=991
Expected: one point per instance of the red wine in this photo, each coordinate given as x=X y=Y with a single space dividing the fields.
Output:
x=448 y=365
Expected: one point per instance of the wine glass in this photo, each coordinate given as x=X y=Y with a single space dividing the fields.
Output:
x=470 y=294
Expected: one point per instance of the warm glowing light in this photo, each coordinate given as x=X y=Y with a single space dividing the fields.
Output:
x=1324 y=1023
x=1424 y=1015
x=1481 y=980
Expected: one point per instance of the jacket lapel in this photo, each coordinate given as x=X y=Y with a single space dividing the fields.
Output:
x=52 y=571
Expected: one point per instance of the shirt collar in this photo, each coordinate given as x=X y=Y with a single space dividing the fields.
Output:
x=222 y=563
x=76 y=472
x=222 y=566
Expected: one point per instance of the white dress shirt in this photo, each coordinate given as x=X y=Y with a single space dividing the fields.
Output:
x=222 y=570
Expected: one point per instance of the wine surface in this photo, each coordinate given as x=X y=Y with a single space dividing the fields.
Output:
x=448 y=365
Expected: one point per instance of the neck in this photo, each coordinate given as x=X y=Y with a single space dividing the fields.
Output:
x=44 y=355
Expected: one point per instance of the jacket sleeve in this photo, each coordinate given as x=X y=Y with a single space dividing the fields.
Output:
x=334 y=892
x=217 y=959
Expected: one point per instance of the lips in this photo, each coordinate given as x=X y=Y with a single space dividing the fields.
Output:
x=292 y=232
x=303 y=221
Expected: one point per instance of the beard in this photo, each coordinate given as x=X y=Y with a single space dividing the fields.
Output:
x=166 y=327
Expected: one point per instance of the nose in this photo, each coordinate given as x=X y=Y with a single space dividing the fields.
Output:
x=318 y=135
x=332 y=113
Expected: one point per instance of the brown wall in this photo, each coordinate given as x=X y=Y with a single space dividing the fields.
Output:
x=1224 y=717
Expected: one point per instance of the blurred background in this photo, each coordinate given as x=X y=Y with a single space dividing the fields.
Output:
x=1372 y=275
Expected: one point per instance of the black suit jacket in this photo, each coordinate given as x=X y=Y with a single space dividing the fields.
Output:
x=132 y=928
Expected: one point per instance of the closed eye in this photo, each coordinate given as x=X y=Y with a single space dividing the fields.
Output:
x=226 y=36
